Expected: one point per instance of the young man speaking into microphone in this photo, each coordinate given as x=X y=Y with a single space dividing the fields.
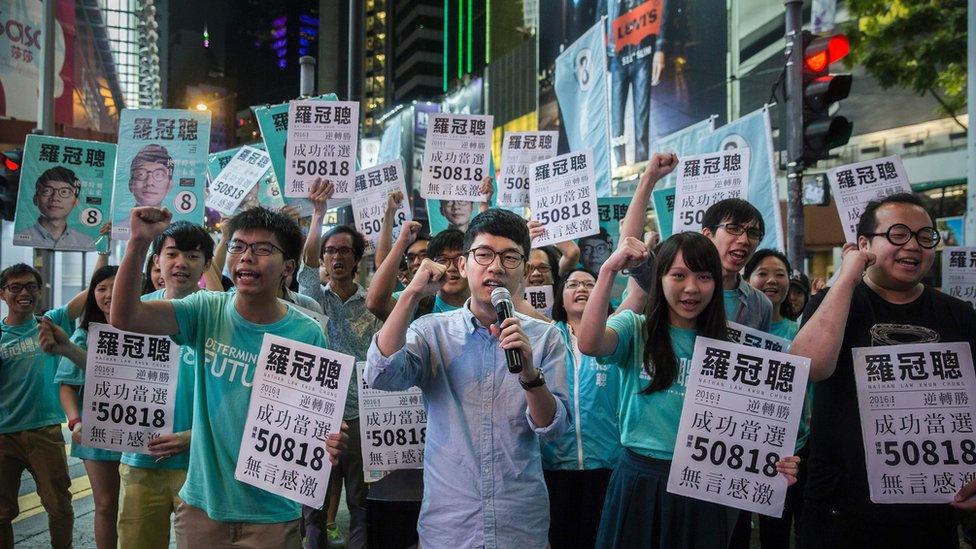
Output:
x=483 y=480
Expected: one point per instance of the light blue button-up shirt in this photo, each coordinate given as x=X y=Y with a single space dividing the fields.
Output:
x=483 y=483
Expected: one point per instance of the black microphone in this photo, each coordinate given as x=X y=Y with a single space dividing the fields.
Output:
x=502 y=300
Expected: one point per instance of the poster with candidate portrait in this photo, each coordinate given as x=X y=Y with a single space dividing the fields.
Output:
x=162 y=162
x=65 y=194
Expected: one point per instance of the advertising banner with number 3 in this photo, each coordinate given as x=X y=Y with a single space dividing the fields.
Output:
x=917 y=410
x=298 y=395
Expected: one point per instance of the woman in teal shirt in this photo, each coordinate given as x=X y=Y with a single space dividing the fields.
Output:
x=102 y=466
x=769 y=272
x=654 y=353
x=578 y=464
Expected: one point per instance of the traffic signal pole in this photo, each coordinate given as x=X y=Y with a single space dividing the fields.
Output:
x=794 y=134
x=44 y=259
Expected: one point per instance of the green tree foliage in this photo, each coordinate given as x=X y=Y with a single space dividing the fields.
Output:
x=916 y=44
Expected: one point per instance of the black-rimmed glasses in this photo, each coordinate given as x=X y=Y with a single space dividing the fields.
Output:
x=899 y=234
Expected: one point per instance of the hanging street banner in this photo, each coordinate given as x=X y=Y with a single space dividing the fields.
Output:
x=161 y=162
x=562 y=196
x=854 y=185
x=959 y=272
x=684 y=142
x=456 y=156
x=580 y=83
x=130 y=389
x=519 y=151
x=236 y=180
x=393 y=427
x=705 y=179
x=298 y=395
x=917 y=409
x=754 y=132
x=266 y=193
x=372 y=189
x=740 y=416
x=323 y=139
x=65 y=194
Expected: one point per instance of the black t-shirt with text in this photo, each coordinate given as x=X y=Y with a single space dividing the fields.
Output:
x=837 y=473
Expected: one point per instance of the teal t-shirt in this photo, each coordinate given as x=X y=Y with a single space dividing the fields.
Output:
x=441 y=306
x=28 y=395
x=227 y=348
x=787 y=329
x=732 y=304
x=182 y=407
x=648 y=422
x=70 y=374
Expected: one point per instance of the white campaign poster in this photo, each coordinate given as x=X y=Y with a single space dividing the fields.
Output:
x=238 y=177
x=519 y=151
x=740 y=416
x=917 y=408
x=393 y=426
x=705 y=179
x=959 y=272
x=541 y=299
x=456 y=156
x=854 y=185
x=744 y=335
x=130 y=389
x=372 y=188
x=297 y=398
x=322 y=141
x=562 y=195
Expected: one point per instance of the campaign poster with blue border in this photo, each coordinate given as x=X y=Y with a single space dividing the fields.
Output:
x=161 y=162
x=65 y=194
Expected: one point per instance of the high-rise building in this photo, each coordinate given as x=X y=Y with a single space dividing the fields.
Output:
x=134 y=40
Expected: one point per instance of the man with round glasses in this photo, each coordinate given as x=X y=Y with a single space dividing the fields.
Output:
x=878 y=299
x=56 y=194
x=151 y=175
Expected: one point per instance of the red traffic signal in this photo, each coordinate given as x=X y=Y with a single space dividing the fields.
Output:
x=823 y=131
x=819 y=53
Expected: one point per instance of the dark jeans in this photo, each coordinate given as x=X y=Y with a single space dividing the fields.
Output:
x=823 y=526
x=392 y=524
x=575 y=505
x=632 y=78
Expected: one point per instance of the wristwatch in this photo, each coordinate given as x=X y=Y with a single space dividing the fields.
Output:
x=539 y=381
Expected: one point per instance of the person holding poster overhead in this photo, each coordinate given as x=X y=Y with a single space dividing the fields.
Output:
x=30 y=414
x=225 y=331
x=578 y=464
x=878 y=299
x=653 y=351
x=483 y=482
x=56 y=196
x=350 y=328
x=151 y=483
x=102 y=466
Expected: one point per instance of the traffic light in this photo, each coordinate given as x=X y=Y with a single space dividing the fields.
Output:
x=823 y=131
x=9 y=182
